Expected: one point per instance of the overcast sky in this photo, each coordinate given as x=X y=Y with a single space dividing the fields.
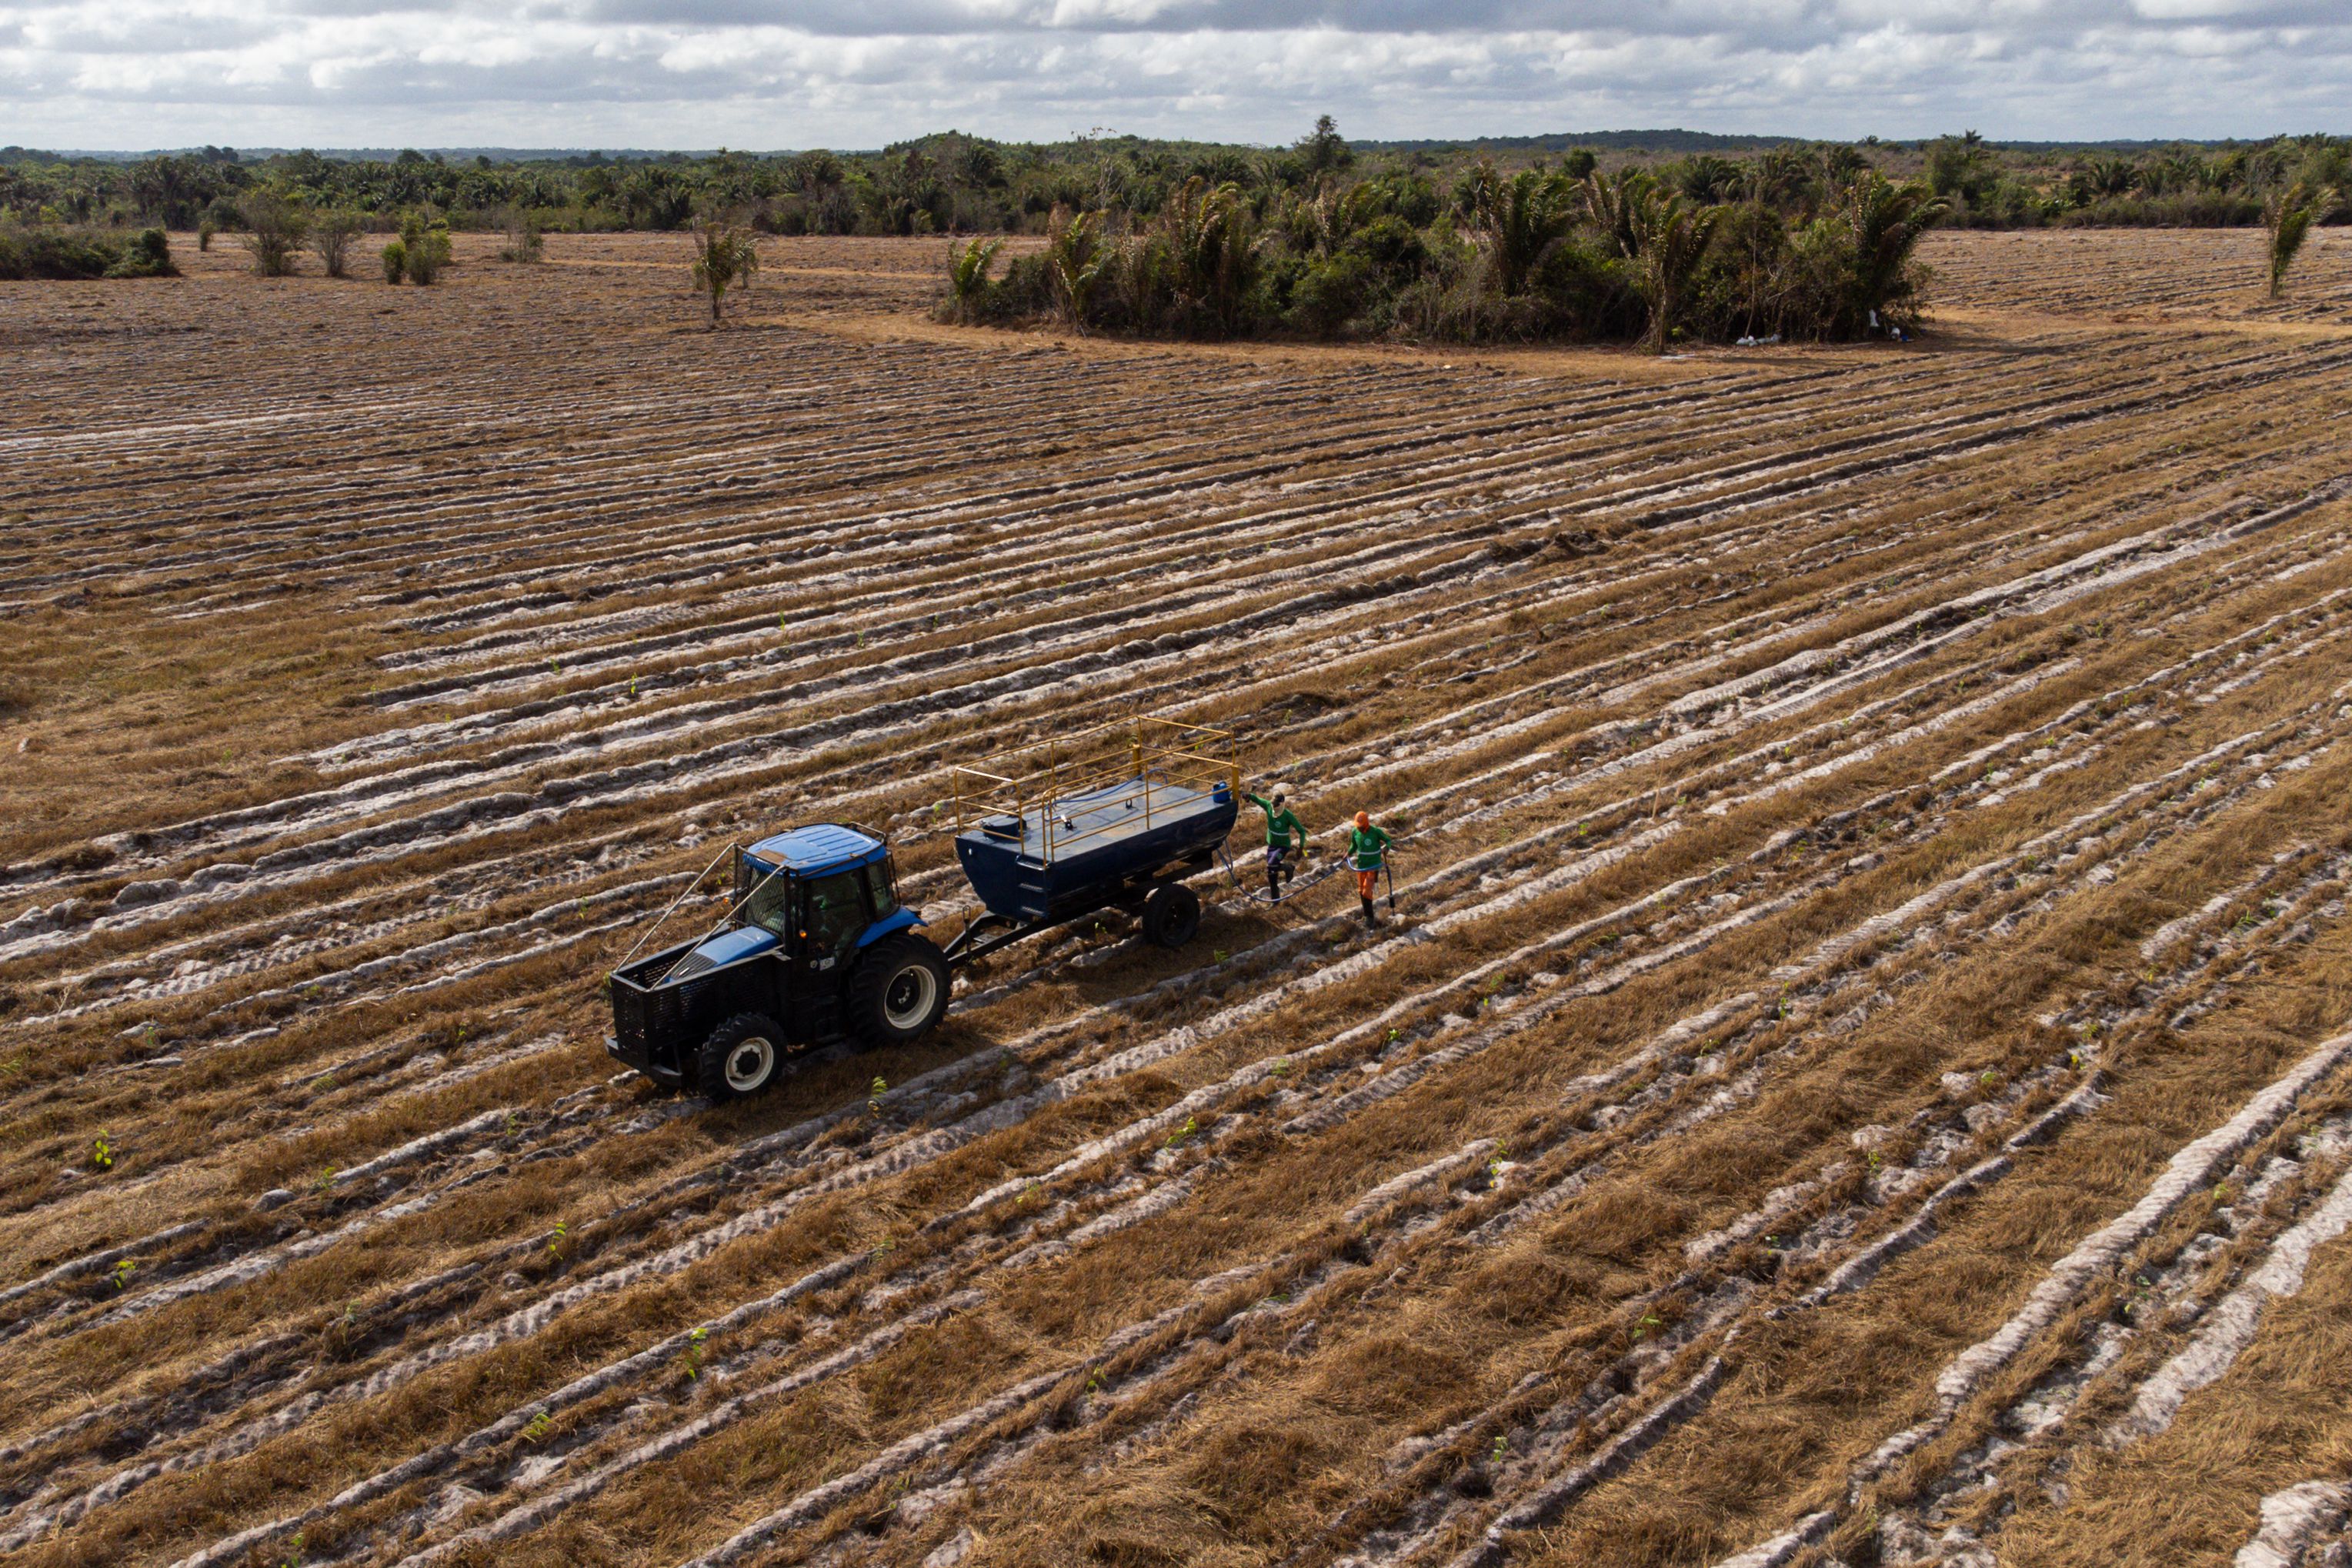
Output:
x=761 y=74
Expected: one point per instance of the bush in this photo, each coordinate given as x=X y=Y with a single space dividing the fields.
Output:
x=1330 y=291
x=66 y=255
x=204 y=232
x=331 y=233
x=395 y=261
x=276 y=226
x=149 y=255
x=424 y=249
x=523 y=244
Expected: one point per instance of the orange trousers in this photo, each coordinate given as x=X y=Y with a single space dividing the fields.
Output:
x=1366 y=883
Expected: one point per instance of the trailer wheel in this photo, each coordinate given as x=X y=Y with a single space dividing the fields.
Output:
x=899 y=992
x=1171 y=915
x=741 y=1056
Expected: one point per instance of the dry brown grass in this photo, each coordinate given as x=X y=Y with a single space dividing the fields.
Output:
x=1235 y=1349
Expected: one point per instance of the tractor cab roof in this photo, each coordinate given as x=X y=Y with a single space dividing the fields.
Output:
x=820 y=846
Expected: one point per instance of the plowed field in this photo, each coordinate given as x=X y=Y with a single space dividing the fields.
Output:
x=1858 y=1068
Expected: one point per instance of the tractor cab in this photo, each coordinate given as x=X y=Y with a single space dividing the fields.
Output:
x=814 y=946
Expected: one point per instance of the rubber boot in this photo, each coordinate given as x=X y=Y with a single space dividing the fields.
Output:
x=1371 y=921
x=1273 y=885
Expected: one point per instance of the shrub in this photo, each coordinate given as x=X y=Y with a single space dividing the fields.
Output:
x=276 y=225
x=205 y=229
x=331 y=233
x=1328 y=292
x=725 y=257
x=524 y=246
x=60 y=254
x=968 y=285
x=424 y=249
x=149 y=255
x=395 y=261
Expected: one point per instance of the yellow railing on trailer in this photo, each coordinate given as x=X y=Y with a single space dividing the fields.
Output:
x=1035 y=782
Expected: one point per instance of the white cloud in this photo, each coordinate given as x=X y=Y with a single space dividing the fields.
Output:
x=763 y=73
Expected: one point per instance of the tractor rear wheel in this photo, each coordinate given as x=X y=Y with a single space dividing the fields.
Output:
x=740 y=1058
x=1171 y=915
x=899 y=991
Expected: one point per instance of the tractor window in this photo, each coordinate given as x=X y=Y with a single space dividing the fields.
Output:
x=836 y=914
x=877 y=887
x=769 y=905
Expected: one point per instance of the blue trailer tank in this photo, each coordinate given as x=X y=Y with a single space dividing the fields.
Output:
x=1059 y=857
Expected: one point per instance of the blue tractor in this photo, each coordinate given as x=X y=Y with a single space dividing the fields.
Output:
x=816 y=947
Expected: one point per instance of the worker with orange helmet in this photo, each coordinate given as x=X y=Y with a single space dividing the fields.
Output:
x=1367 y=851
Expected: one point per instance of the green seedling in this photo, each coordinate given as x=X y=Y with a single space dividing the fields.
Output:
x=874 y=1093
x=1988 y=1078
x=539 y=1428
x=1874 y=1162
x=1178 y=1137
x=1502 y=1448
x=555 y=1242
x=1393 y=1034
x=323 y=1180
x=1642 y=1329
x=514 y=1124
x=293 y=1554
x=694 y=1354
x=120 y=1273
x=1280 y=1067
x=1220 y=953
x=101 y=1153
x=1093 y=1379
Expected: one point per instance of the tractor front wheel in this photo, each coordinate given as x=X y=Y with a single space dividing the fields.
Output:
x=1171 y=915
x=899 y=992
x=741 y=1056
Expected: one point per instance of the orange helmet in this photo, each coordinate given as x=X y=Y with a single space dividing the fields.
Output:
x=1363 y=819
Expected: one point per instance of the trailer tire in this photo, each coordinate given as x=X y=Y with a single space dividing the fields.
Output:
x=741 y=1056
x=1171 y=915
x=899 y=992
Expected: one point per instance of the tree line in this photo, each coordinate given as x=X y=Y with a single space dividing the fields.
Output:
x=1819 y=251
x=956 y=183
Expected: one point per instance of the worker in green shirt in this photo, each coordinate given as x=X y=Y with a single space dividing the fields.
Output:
x=1286 y=837
x=1367 y=850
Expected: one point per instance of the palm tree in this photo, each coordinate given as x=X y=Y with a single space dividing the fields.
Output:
x=1210 y=247
x=1078 y=261
x=1611 y=205
x=2289 y=216
x=968 y=276
x=1335 y=215
x=1670 y=240
x=725 y=258
x=1519 y=219
x=1884 y=223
